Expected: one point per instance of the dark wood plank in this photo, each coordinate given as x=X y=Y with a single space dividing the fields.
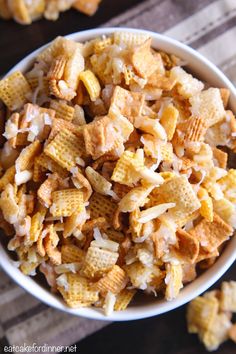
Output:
x=164 y=334
x=16 y=41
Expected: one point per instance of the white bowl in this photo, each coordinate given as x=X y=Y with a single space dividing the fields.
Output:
x=205 y=70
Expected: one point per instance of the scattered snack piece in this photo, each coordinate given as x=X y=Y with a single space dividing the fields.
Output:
x=25 y=12
x=113 y=172
x=210 y=316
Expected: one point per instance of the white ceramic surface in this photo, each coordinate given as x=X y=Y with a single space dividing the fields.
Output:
x=204 y=70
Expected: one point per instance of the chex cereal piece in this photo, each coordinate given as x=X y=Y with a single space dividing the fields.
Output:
x=101 y=223
x=206 y=209
x=74 y=66
x=58 y=46
x=20 y=12
x=101 y=44
x=91 y=83
x=232 y=333
x=166 y=151
x=97 y=140
x=187 y=246
x=63 y=110
x=115 y=281
x=126 y=168
x=50 y=244
x=196 y=313
x=212 y=234
x=228 y=182
x=196 y=129
x=81 y=182
x=228 y=296
x=14 y=90
x=135 y=227
x=8 y=204
x=178 y=190
x=57 y=68
x=169 y=120
x=79 y=292
x=101 y=206
x=106 y=134
x=27 y=155
x=44 y=192
x=123 y=299
x=37 y=224
x=121 y=189
x=65 y=202
x=225 y=94
x=130 y=39
x=49 y=164
x=208 y=105
x=64 y=149
x=188 y=86
x=143 y=60
x=75 y=222
x=71 y=254
x=97 y=261
x=61 y=124
x=221 y=157
x=129 y=104
x=8 y=177
x=173 y=280
x=87 y=7
x=225 y=209
x=217 y=333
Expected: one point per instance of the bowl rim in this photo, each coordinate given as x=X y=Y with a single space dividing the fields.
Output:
x=193 y=289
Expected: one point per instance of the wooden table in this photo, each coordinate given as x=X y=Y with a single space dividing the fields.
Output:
x=165 y=334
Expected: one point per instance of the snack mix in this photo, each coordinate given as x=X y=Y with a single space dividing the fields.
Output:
x=210 y=316
x=114 y=170
x=27 y=11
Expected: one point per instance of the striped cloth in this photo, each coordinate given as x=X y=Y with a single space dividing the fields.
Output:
x=210 y=27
